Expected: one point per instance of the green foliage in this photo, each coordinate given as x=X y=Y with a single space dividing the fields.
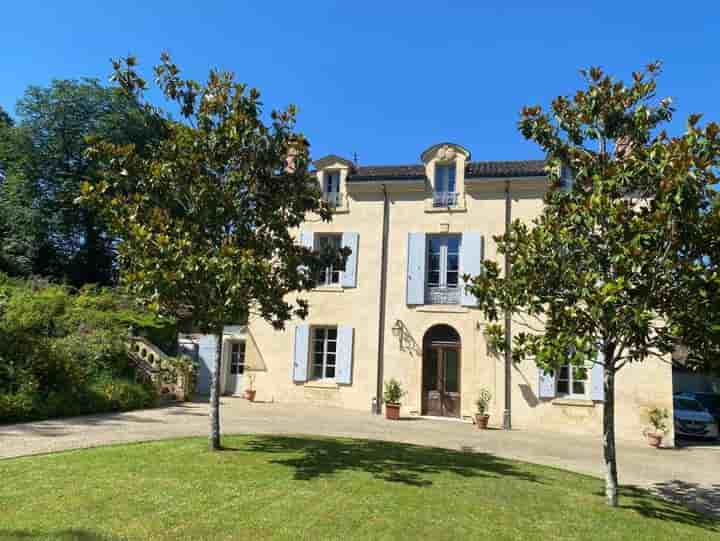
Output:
x=623 y=260
x=658 y=420
x=483 y=400
x=623 y=263
x=63 y=352
x=393 y=392
x=44 y=160
x=205 y=215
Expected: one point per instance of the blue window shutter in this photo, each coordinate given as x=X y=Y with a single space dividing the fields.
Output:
x=546 y=384
x=307 y=239
x=300 y=357
x=451 y=178
x=471 y=256
x=597 y=379
x=343 y=366
x=349 y=276
x=416 y=268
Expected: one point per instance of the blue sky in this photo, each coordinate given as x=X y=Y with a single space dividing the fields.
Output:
x=383 y=79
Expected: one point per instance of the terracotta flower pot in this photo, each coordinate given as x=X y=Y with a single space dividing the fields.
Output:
x=654 y=440
x=250 y=395
x=392 y=411
x=481 y=420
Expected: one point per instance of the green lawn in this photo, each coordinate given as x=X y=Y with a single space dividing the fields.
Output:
x=265 y=487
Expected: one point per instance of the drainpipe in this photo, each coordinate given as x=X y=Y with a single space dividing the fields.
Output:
x=507 y=413
x=383 y=296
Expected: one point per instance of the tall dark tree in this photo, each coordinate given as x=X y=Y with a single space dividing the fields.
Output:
x=47 y=149
x=622 y=263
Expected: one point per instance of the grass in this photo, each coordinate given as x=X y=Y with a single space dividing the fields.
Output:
x=265 y=487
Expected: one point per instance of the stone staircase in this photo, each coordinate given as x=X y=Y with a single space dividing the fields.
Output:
x=172 y=376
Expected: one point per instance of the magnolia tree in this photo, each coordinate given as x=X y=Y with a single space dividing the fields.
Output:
x=204 y=217
x=621 y=265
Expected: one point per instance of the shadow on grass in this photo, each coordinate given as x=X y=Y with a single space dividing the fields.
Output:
x=393 y=462
x=662 y=502
x=59 y=535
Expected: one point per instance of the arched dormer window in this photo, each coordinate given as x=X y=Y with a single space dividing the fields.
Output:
x=445 y=169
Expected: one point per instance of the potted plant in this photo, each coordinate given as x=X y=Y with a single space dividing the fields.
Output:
x=482 y=403
x=250 y=390
x=392 y=395
x=658 y=419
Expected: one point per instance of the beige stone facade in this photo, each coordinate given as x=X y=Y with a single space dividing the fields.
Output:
x=477 y=209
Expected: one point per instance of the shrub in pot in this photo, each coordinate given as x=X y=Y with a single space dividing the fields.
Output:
x=658 y=420
x=482 y=403
x=392 y=395
x=250 y=390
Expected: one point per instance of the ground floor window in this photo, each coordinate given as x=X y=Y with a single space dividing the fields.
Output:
x=572 y=381
x=324 y=348
x=237 y=358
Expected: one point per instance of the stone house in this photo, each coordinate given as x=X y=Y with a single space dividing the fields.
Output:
x=398 y=309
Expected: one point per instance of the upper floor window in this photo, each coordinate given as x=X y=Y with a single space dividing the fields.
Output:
x=572 y=381
x=329 y=275
x=331 y=189
x=443 y=269
x=445 y=194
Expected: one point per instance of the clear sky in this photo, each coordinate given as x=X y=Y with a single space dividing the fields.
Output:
x=383 y=79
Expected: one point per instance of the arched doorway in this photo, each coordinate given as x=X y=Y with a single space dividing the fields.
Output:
x=441 y=372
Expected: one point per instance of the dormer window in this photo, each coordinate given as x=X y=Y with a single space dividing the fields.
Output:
x=445 y=193
x=331 y=189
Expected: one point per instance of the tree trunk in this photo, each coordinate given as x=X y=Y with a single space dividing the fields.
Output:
x=611 y=478
x=215 y=394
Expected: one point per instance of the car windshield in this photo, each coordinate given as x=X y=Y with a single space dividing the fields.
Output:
x=688 y=404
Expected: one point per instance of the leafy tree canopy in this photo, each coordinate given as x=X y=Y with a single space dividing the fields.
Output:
x=45 y=152
x=206 y=215
x=622 y=263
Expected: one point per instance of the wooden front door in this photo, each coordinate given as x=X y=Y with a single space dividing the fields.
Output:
x=441 y=381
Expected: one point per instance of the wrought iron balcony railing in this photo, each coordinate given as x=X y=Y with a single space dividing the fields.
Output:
x=442 y=295
x=445 y=199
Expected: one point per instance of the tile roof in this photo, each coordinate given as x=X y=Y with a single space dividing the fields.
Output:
x=490 y=169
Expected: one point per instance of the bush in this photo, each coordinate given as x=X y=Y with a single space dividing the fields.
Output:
x=63 y=351
x=393 y=392
x=102 y=395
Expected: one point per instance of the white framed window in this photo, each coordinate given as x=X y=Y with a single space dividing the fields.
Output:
x=324 y=352
x=237 y=358
x=445 y=194
x=572 y=381
x=331 y=187
x=443 y=269
x=329 y=276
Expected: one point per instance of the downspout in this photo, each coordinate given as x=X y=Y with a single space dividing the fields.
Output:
x=383 y=297
x=507 y=413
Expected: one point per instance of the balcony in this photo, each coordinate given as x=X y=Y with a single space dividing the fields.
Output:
x=445 y=199
x=442 y=295
x=445 y=202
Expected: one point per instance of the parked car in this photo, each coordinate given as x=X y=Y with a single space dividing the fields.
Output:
x=692 y=419
x=711 y=401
